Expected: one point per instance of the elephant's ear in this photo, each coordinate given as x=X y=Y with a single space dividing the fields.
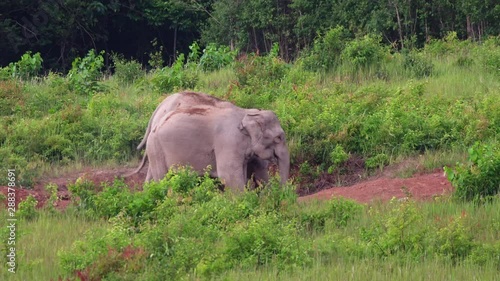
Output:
x=252 y=125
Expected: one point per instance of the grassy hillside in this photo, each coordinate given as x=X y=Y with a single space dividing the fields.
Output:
x=365 y=101
x=360 y=101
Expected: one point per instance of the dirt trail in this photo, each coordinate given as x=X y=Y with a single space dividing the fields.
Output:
x=420 y=187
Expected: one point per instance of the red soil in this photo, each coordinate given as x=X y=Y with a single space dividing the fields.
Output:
x=420 y=187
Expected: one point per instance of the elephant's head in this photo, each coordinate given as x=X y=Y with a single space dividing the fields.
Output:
x=267 y=139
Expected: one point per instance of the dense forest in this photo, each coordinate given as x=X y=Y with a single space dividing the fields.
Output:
x=64 y=29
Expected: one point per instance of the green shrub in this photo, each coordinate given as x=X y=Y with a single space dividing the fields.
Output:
x=83 y=193
x=51 y=202
x=156 y=56
x=337 y=212
x=127 y=72
x=112 y=199
x=337 y=157
x=178 y=76
x=27 y=208
x=327 y=50
x=263 y=240
x=454 y=241
x=364 y=53
x=377 y=161
x=11 y=97
x=256 y=71
x=490 y=55
x=483 y=254
x=479 y=178
x=216 y=57
x=417 y=64
x=399 y=232
x=26 y=68
x=85 y=73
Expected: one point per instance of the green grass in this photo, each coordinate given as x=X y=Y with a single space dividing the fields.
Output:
x=372 y=269
x=338 y=253
x=38 y=242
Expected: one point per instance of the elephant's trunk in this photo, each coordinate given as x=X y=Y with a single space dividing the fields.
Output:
x=283 y=157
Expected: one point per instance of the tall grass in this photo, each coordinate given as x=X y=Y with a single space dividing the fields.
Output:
x=334 y=239
x=38 y=242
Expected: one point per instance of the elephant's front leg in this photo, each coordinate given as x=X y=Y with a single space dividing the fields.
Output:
x=232 y=172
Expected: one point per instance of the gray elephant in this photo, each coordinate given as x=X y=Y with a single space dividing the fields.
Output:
x=174 y=131
x=179 y=100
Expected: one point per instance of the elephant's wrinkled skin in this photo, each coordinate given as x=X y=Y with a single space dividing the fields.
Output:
x=200 y=130
x=179 y=100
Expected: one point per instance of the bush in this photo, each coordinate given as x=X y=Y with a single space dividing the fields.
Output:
x=178 y=76
x=490 y=55
x=479 y=178
x=216 y=57
x=27 y=208
x=417 y=65
x=85 y=73
x=364 y=53
x=26 y=68
x=454 y=241
x=126 y=72
x=327 y=50
x=397 y=232
x=257 y=71
x=263 y=240
x=11 y=97
x=337 y=212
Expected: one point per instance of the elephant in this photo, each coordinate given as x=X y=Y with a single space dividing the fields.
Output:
x=256 y=167
x=177 y=100
x=232 y=140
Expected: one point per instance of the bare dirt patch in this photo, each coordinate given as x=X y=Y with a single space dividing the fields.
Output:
x=419 y=187
x=97 y=176
x=383 y=187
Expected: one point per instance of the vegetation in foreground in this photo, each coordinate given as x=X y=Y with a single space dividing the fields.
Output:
x=183 y=227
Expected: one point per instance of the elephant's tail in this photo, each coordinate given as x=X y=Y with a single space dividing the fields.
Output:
x=143 y=162
x=148 y=130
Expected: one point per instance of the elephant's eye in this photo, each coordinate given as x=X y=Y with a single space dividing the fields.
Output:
x=278 y=139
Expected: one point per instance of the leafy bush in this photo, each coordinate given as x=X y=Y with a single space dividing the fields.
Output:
x=256 y=71
x=175 y=77
x=262 y=240
x=11 y=97
x=417 y=65
x=327 y=50
x=83 y=192
x=397 y=232
x=454 y=241
x=337 y=212
x=216 y=57
x=27 y=67
x=85 y=73
x=479 y=178
x=377 y=161
x=126 y=72
x=337 y=157
x=364 y=53
x=27 y=208
x=51 y=189
x=490 y=55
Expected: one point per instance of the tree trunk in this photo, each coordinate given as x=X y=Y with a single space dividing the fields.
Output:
x=469 y=29
x=175 y=43
x=399 y=24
